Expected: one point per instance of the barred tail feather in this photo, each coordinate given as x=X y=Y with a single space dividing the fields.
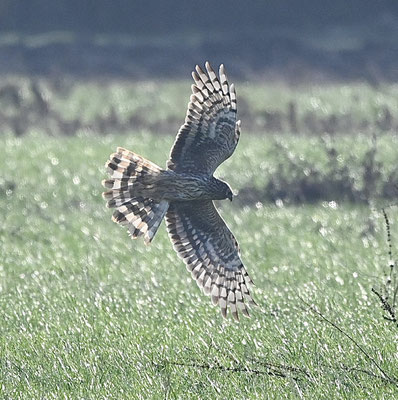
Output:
x=131 y=176
x=129 y=167
x=141 y=216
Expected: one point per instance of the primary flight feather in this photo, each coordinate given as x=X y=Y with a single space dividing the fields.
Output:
x=143 y=193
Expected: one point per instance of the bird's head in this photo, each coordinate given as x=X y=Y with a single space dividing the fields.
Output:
x=222 y=190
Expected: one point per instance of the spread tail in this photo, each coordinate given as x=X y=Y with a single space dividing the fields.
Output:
x=131 y=177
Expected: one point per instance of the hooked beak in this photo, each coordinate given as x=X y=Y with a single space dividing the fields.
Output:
x=230 y=196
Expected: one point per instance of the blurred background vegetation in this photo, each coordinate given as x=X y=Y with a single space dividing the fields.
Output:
x=326 y=71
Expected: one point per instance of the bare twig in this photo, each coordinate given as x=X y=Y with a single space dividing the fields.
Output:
x=273 y=369
x=364 y=371
x=281 y=367
x=386 y=306
x=275 y=372
x=327 y=366
x=392 y=380
x=389 y=243
x=384 y=297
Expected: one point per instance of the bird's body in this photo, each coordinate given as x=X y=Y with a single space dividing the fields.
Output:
x=172 y=186
x=143 y=193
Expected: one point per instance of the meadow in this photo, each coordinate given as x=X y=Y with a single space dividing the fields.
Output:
x=88 y=313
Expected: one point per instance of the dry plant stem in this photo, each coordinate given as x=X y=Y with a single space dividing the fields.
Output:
x=281 y=367
x=392 y=278
x=387 y=221
x=230 y=369
x=384 y=297
x=392 y=380
x=275 y=370
x=386 y=306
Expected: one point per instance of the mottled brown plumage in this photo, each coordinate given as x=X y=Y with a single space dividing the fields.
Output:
x=144 y=193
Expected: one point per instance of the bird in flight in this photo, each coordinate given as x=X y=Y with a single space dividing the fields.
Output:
x=143 y=193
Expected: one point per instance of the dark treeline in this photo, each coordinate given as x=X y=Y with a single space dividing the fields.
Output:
x=143 y=17
x=297 y=40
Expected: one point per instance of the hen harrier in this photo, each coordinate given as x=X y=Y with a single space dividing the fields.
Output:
x=144 y=193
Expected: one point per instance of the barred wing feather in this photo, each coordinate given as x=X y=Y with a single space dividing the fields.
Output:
x=211 y=252
x=210 y=132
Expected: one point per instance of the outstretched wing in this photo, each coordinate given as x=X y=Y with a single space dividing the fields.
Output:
x=210 y=132
x=210 y=251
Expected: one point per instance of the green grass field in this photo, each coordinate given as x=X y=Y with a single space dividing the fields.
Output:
x=88 y=313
